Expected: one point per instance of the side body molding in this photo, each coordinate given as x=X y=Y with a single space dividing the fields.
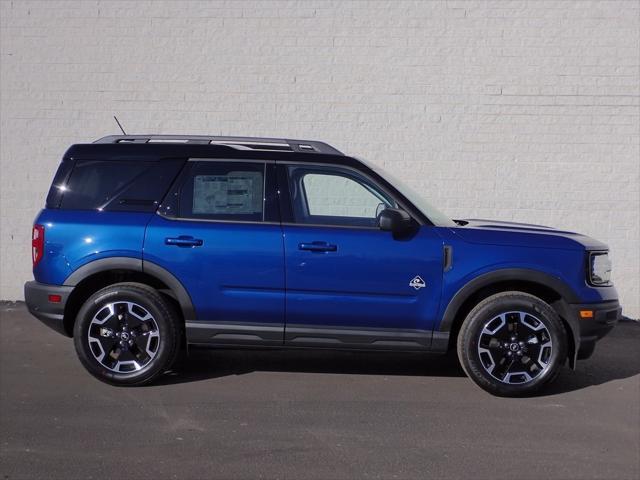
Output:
x=504 y=275
x=136 y=265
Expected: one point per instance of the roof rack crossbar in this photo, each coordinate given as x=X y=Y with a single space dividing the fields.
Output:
x=242 y=143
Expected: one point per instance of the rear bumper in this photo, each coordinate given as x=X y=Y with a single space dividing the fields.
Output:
x=36 y=296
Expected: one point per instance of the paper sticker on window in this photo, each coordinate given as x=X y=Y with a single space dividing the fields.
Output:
x=234 y=193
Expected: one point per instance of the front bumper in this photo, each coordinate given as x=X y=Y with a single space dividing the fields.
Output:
x=37 y=298
x=604 y=317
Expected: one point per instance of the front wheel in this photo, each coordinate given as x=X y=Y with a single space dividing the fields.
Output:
x=512 y=343
x=126 y=334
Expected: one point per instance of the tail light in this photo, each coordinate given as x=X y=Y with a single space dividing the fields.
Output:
x=37 y=244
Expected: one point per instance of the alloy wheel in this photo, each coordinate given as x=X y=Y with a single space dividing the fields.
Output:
x=123 y=337
x=515 y=347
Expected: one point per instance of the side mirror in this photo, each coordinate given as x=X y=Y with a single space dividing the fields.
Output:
x=394 y=220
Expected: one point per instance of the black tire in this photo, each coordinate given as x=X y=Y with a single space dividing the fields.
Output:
x=487 y=349
x=152 y=340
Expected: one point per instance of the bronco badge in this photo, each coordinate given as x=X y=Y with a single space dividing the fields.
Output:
x=417 y=282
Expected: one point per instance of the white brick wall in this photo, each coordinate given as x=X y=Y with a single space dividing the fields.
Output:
x=516 y=110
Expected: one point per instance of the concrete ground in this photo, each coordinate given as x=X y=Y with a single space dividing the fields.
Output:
x=300 y=414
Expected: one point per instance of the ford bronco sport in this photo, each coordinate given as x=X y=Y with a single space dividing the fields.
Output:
x=149 y=244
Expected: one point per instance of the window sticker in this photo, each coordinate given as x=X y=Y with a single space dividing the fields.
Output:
x=234 y=193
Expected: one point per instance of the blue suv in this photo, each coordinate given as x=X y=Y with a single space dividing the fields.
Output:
x=152 y=244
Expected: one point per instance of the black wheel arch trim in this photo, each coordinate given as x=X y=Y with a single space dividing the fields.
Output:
x=136 y=265
x=498 y=276
x=567 y=296
x=103 y=265
x=183 y=297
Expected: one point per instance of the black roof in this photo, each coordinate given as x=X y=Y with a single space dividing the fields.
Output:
x=158 y=147
x=126 y=147
x=240 y=143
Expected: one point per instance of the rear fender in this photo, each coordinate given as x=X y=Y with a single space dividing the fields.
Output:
x=136 y=265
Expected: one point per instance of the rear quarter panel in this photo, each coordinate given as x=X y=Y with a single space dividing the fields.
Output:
x=74 y=238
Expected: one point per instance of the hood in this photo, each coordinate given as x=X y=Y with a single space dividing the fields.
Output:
x=524 y=234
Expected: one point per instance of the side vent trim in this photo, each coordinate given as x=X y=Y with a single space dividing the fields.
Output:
x=447 y=260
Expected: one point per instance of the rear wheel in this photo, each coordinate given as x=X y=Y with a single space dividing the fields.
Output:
x=126 y=334
x=512 y=344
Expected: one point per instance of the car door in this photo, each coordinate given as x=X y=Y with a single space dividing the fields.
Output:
x=348 y=283
x=219 y=234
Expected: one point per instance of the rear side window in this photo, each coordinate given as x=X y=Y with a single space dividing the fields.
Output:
x=59 y=183
x=117 y=185
x=232 y=191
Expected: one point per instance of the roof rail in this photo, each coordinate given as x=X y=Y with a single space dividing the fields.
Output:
x=240 y=143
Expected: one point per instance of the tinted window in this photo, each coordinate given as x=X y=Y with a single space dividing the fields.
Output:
x=94 y=183
x=114 y=185
x=56 y=191
x=232 y=191
x=334 y=196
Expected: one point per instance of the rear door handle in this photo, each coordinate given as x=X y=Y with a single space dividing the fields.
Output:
x=318 y=247
x=183 y=241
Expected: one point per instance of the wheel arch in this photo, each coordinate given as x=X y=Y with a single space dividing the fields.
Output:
x=548 y=288
x=98 y=274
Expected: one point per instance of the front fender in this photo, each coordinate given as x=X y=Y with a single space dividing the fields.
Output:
x=500 y=276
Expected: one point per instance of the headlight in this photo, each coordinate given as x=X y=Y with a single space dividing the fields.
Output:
x=599 y=268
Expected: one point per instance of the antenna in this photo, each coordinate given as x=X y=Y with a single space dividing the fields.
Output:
x=116 y=119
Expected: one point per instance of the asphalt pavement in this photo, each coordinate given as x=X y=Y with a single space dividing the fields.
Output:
x=310 y=414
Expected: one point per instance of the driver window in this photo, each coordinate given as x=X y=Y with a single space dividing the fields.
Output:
x=334 y=196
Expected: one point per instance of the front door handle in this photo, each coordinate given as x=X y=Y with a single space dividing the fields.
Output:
x=183 y=241
x=318 y=247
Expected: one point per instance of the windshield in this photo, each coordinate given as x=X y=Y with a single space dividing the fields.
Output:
x=432 y=213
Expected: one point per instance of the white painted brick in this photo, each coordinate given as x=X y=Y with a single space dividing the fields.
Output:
x=518 y=110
